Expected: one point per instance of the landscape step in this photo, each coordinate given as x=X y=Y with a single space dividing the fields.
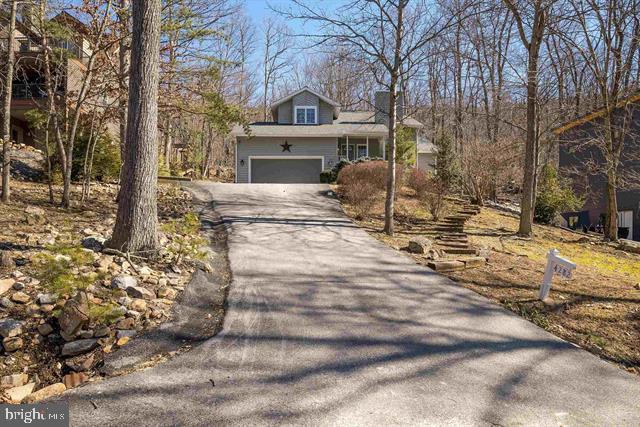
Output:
x=448 y=229
x=460 y=251
x=460 y=245
x=476 y=261
x=446 y=265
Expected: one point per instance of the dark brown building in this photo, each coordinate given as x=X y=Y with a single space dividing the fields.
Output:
x=581 y=158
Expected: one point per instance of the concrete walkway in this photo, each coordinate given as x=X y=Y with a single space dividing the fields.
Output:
x=326 y=326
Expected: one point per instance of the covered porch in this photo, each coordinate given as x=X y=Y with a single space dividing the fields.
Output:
x=355 y=147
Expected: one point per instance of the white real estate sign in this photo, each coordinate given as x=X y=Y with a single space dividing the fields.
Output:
x=555 y=265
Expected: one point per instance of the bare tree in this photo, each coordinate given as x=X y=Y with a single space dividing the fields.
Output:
x=136 y=227
x=275 y=45
x=531 y=20
x=6 y=103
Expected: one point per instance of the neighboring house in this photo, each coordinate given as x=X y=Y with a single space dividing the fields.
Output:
x=29 y=91
x=309 y=133
x=426 y=155
x=580 y=159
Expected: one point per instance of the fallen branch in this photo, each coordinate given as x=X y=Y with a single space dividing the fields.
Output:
x=126 y=255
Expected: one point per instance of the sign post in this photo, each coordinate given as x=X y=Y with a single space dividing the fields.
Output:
x=555 y=265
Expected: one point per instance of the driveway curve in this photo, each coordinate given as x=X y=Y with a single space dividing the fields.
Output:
x=326 y=326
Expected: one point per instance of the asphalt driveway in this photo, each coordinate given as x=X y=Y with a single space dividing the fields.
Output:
x=326 y=326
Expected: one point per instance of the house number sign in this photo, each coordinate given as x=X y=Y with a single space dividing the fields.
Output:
x=556 y=265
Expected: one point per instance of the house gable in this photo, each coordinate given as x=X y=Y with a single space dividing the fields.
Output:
x=284 y=110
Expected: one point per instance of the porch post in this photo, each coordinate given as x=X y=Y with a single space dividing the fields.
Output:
x=348 y=148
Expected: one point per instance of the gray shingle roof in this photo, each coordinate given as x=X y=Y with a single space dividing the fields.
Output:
x=425 y=146
x=352 y=123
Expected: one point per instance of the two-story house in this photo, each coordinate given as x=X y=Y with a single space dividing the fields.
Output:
x=310 y=133
x=29 y=91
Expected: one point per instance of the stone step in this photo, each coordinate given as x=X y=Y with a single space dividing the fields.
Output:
x=460 y=251
x=454 y=244
x=446 y=242
x=451 y=225
x=449 y=229
x=453 y=235
x=476 y=261
x=457 y=217
x=454 y=220
x=446 y=265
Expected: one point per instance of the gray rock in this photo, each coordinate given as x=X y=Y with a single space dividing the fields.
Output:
x=123 y=281
x=6 y=261
x=102 y=331
x=10 y=328
x=133 y=313
x=629 y=246
x=94 y=243
x=45 y=329
x=6 y=303
x=81 y=363
x=140 y=292
x=74 y=314
x=20 y=297
x=125 y=301
x=85 y=334
x=127 y=323
x=74 y=348
x=34 y=210
x=12 y=343
x=18 y=286
x=419 y=245
x=47 y=298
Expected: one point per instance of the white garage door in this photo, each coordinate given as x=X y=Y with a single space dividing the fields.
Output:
x=285 y=170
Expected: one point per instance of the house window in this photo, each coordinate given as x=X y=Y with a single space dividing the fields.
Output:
x=307 y=115
x=362 y=150
x=573 y=222
x=346 y=151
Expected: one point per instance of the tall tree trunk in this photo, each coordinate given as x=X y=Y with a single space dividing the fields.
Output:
x=136 y=227
x=6 y=106
x=531 y=146
x=531 y=153
x=123 y=60
x=393 y=118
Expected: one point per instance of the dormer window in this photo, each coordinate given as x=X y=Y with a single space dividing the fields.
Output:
x=306 y=115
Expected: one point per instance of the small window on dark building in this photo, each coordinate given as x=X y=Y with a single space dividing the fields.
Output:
x=573 y=222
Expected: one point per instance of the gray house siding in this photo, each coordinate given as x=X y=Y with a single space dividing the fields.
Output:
x=427 y=161
x=285 y=115
x=325 y=113
x=575 y=153
x=300 y=147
